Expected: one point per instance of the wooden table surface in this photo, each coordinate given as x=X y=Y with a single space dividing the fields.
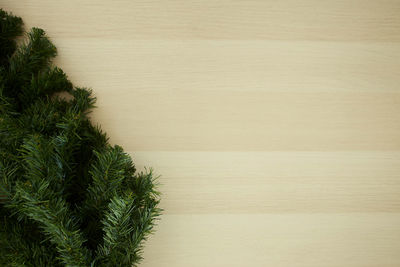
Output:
x=275 y=124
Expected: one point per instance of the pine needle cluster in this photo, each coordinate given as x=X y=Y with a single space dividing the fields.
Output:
x=67 y=197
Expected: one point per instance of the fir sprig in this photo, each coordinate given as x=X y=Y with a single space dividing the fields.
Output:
x=67 y=197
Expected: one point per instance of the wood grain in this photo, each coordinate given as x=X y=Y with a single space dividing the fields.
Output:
x=276 y=182
x=275 y=124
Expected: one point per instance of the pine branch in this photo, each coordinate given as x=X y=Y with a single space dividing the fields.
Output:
x=10 y=28
x=21 y=244
x=67 y=197
x=35 y=199
x=30 y=58
x=109 y=169
x=47 y=82
x=125 y=226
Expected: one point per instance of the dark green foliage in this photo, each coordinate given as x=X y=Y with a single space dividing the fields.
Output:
x=67 y=197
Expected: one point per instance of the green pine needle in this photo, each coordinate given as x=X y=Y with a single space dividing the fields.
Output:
x=67 y=197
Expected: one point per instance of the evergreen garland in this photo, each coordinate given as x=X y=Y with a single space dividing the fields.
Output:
x=67 y=197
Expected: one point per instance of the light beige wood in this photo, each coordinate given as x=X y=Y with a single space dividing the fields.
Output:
x=296 y=239
x=275 y=124
x=276 y=182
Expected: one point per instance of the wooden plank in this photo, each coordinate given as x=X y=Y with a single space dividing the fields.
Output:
x=279 y=240
x=241 y=95
x=275 y=182
x=263 y=121
x=349 y=20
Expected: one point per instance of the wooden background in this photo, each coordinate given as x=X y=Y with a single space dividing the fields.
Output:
x=275 y=124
